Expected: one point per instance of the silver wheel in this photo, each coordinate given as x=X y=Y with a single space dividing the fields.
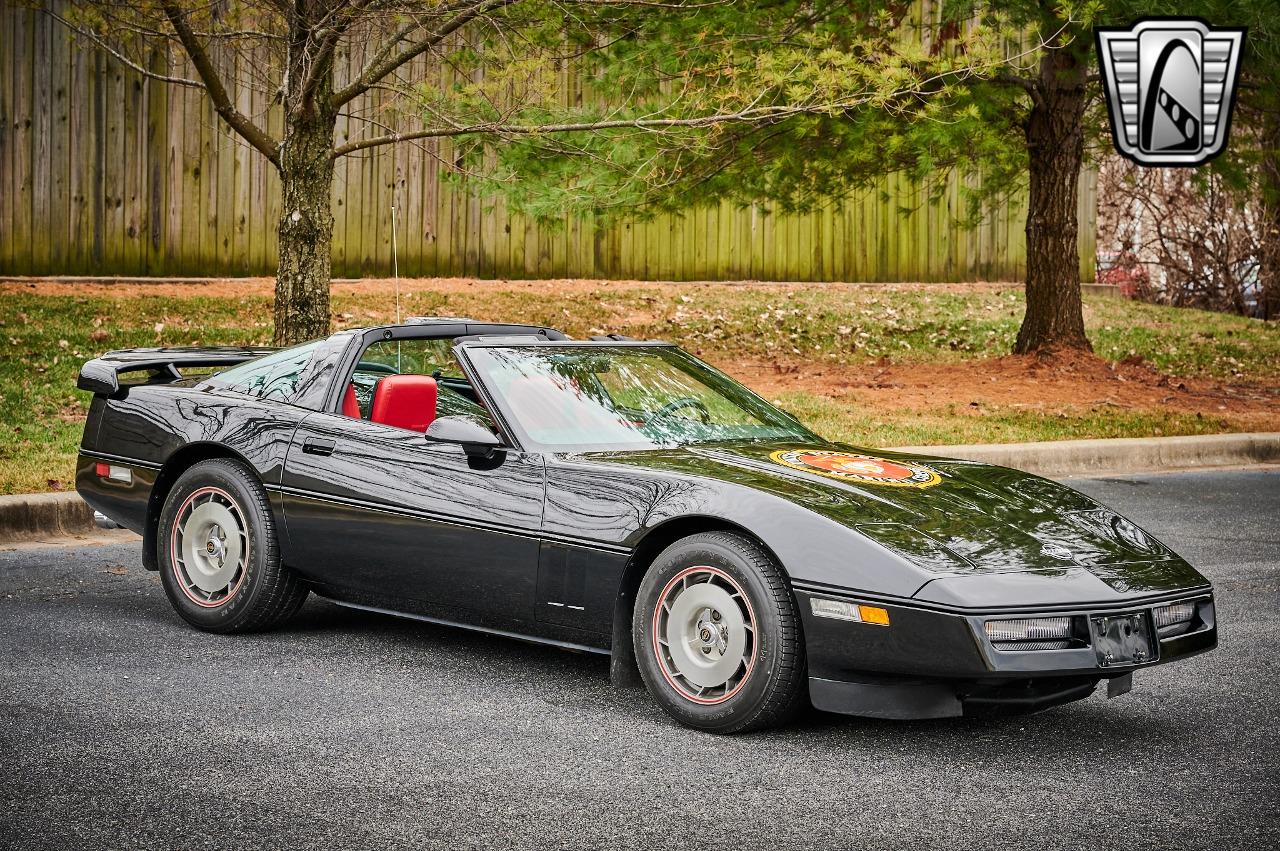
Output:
x=210 y=547
x=704 y=635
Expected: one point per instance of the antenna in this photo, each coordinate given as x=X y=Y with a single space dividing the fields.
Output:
x=395 y=273
x=395 y=260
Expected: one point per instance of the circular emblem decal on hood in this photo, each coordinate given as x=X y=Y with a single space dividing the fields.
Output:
x=865 y=469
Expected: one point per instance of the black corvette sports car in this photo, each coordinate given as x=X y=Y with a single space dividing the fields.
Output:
x=622 y=497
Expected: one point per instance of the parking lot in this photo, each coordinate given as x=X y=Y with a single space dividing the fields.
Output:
x=120 y=726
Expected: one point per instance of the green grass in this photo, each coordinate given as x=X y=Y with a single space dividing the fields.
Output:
x=1186 y=342
x=952 y=425
x=44 y=339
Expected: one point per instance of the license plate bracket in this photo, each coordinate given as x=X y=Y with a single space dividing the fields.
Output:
x=1122 y=639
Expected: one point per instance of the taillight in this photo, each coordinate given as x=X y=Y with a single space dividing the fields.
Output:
x=113 y=473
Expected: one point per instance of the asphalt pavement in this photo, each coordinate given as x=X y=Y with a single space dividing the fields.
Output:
x=122 y=727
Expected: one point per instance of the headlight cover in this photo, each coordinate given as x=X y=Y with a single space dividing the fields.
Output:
x=1133 y=536
x=1107 y=523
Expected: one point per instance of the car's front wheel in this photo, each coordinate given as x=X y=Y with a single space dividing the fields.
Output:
x=717 y=635
x=218 y=553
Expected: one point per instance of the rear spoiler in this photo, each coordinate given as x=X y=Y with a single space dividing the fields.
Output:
x=102 y=374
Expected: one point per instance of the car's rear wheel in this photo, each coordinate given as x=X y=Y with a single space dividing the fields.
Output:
x=717 y=635
x=218 y=553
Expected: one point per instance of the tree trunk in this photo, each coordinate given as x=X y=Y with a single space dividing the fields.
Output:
x=306 y=182
x=305 y=232
x=1055 y=147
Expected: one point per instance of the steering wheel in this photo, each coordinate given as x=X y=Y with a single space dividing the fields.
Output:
x=373 y=366
x=680 y=404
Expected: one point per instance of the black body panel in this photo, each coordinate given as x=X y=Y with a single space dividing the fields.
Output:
x=388 y=510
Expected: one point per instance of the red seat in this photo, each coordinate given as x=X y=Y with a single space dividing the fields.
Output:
x=405 y=401
x=350 y=405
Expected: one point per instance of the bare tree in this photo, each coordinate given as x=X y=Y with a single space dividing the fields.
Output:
x=1268 y=120
x=1180 y=237
x=289 y=48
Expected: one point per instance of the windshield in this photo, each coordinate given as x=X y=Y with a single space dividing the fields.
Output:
x=592 y=397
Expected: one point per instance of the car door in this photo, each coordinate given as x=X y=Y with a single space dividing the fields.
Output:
x=380 y=512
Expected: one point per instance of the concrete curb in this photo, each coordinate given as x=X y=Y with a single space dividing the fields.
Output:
x=1114 y=456
x=28 y=517
x=44 y=515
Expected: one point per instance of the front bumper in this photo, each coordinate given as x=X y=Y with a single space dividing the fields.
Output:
x=934 y=663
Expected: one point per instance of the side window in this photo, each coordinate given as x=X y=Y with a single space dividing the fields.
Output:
x=271 y=377
x=412 y=357
x=417 y=357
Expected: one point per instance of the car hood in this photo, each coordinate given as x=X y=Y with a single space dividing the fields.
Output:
x=945 y=515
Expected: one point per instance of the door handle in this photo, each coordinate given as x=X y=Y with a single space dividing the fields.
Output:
x=316 y=446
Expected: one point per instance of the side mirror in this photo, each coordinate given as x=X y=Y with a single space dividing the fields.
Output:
x=475 y=439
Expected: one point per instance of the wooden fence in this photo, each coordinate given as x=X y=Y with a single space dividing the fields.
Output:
x=104 y=172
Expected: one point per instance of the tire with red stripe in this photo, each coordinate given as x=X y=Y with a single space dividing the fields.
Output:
x=218 y=552
x=717 y=635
